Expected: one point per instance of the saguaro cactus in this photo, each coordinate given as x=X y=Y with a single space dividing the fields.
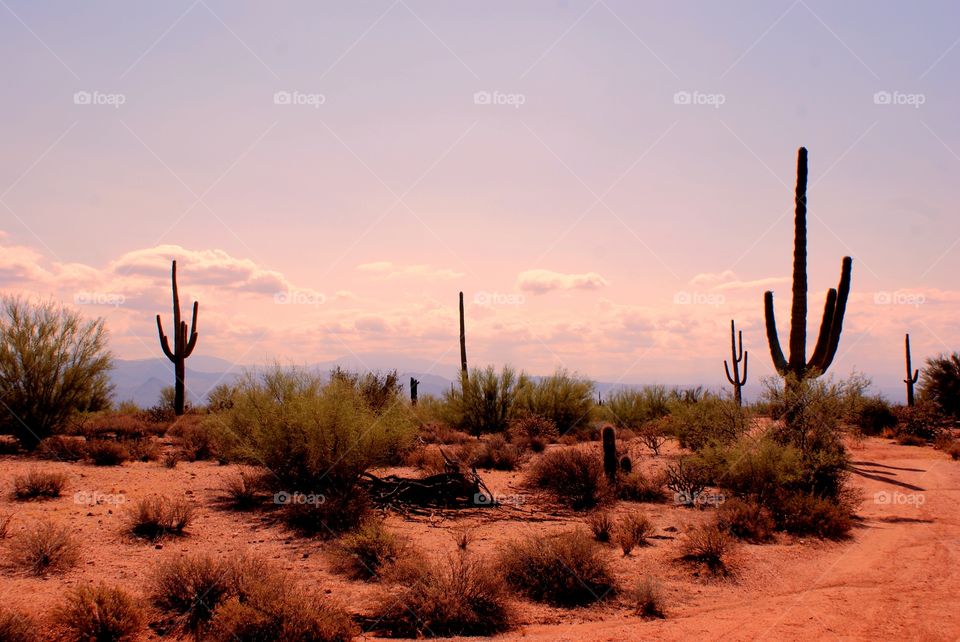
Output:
x=182 y=347
x=463 y=341
x=911 y=376
x=610 y=463
x=737 y=355
x=830 y=327
x=413 y=391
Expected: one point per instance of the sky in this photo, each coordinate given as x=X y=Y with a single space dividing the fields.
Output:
x=609 y=183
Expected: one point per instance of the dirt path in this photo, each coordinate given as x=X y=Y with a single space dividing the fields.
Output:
x=898 y=578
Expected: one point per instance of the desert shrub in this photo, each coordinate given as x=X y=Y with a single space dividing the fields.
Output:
x=5 y=519
x=440 y=433
x=17 y=627
x=220 y=397
x=146 y=449
x=276 y=613
x=709 y=546
x=101 y=613
x=688 y=477
x=426 y=458
x=565 y=399
x=940 y=384
x=463 y=537
x=632 y=530
x=463 y=597
x=192 y=587
x=755 y=469
x=44 y=548
x=533 y=431
x=333 y=513
x=648 y=598
x=379 y=390
x=485 y=401
x=637 y=487
x=953 y=450
x=601 y=525
x=632 y=407
x=9 y=445
x=52 y=365
x=106 y=452
x=496 y=453
x=195 y=438
x=653 y=435
x=365 y=553
x=156 y=516
x=572 y=475
x=62 y=448
x=688 y=395
x=919 y=424
x=712 y=420
x=315 y=437
x=116 y=425
x=242 y=491
x=874 y=416
x=567 y=569
x=746 y=520
x=800 y=513
x=170 y=459
x=38 y=484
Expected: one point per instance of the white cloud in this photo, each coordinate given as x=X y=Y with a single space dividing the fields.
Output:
x=390 y=270
x=727 y=280
x=540 y=281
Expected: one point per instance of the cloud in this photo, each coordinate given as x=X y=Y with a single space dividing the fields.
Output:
x=727 y=280
x=541 y=281
x=389 y=270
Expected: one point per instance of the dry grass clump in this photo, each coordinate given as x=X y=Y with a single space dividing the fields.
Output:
x=573 y=475
x=17 y=627
x=496 y=453
x=568 y=569
x=601 y=525
x=462 y=597
x=632 y=530
x=101 y=614
x=38 y=484
x=710 y=547
x=368 y=551
x=45 y=548
x=244 y=598
x=106 y=452
x=155 y=516
x=242 y=491
x=463 y=537
x=746 y=520
x=62 y=448
x=648 y=598
x=5 y=519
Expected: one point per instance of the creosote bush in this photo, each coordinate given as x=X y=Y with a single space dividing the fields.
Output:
x=366 y=552
x=45 y=548
x=485 y=401
x=573 y=475
x=155 y=517
x=568 y=569
x=100 y=613
x=38 y=484
x=463 y=597
x=711 y=420
x=746 y=520
x=940 y=384
x=631 y=408
x=565 y=399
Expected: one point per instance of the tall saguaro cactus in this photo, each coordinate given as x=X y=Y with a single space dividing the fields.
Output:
x=911 y=376
x=463 y=341
x=737 y=355
x=828 y=338
x=182 y=346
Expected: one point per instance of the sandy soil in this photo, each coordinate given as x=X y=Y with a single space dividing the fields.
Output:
x=896 y=578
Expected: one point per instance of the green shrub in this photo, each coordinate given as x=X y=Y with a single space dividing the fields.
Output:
x=800 y=513
x=568 y=569
x=574 y=476
x=746 y=520
x=565 y=399
x=920 y=424
x=940 y=384
x=633 y=407
x=316 y=438
x=755 y=469
x=101 y=613
x=485 y=401
x=874 y=416
x=378 y=390
x=464 y=597
x=52 y=364
x=712 y=420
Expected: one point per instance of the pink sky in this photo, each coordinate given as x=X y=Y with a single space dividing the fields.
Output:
x=577 y=208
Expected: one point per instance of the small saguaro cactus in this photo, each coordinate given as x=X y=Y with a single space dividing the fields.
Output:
x=182 y=346
x=911 y=376
x=626 y=466
x=737 y=355
x=413 y=391
x=610 y=462
x=463 y=341
x=830 y=327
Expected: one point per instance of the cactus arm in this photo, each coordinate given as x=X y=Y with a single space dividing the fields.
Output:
x=776 y=352
x=745 y=355
x=193 y=331
x=164 y=343
x=729 y=376
x=739 y=352
x=823 y=338
x=843 y=292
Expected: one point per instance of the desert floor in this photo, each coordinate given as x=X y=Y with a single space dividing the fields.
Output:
x=896 y=578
